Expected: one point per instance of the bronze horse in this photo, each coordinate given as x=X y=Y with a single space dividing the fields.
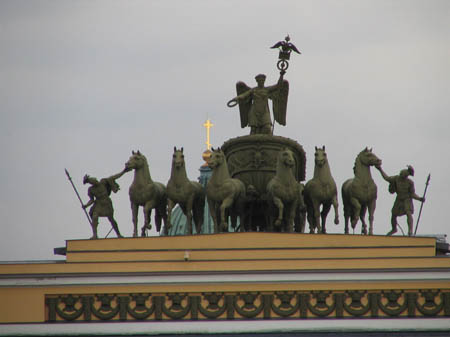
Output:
x=360 y=193
x=321 y=191
x=284 y=191
x=190 y=195
x=224 y=193
x=146 y=193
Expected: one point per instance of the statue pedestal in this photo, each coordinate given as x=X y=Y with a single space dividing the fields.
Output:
x=253 y=160
x=237 y=251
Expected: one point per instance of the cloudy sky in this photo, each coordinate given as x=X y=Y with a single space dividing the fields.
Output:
x=83 y=83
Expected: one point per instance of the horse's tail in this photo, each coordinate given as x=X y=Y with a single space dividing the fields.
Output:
x=161 y=209
x=310 y=213
x=161 y=215
x=345 y=191
x=309 y=205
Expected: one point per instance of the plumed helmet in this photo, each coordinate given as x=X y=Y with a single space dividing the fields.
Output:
x=411 y=170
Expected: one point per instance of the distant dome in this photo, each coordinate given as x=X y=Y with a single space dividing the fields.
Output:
x=206 y=155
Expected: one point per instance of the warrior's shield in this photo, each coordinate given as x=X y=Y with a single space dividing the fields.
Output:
x=244 y=106
x=279 y=101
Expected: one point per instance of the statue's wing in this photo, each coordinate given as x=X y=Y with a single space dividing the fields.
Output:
x=278 y=44
x=244 y=106
x=294 y=48
x=279 y=100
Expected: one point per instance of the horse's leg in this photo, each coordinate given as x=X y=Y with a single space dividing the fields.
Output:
x=147 y=216
x=198 y=210
x=347 y=215
x=279 y=204
x=310 y=217
x=372 y=207
x=188 y=212
x=290 y=222
x=302 y=221
x=134 y=212
x=316 y=207
x=226 y=203
x=298 y=225
x=161 y=214
x=213 y=213
x=267 y=210
x=362 y=216
x=356 y=211
x=238 y=210
x=325 y=209
x=336 y=209
x=170 y=205
x=346 y=218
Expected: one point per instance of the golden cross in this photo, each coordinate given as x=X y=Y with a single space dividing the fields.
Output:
x=208 y=126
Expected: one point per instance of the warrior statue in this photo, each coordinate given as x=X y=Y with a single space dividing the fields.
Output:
x=403 y=205
x=254 y=104
x=99 y=194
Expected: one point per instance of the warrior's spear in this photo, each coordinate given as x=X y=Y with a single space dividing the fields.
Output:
x=421 y=205
x=78 y=195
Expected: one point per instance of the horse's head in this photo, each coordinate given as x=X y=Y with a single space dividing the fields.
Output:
x=178 y=158
x=136 y=161
x=286 y=158
x=368 y=158
x=320 y=156
x=217 y=158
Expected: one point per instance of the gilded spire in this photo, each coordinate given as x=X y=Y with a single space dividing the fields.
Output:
x=207 y=153
x=208 y=126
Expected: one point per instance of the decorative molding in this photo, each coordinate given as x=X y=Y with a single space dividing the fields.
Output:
x=249 y=305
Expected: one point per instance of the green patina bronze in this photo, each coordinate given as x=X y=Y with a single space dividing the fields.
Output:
x=225 y=195
x=146 y=193
x=321 y=191
x=403 y=205
x=359 y=194
x=300 y=215
x=284 y=191
x=190 y=195
x=254 y=104
x=253 y=160
x=256 y=179
x=102 y=206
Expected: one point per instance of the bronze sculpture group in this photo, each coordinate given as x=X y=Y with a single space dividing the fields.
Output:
x=261 y=189
x=228 y=198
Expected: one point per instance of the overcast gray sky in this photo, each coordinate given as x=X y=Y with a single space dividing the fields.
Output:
x=83 y=83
